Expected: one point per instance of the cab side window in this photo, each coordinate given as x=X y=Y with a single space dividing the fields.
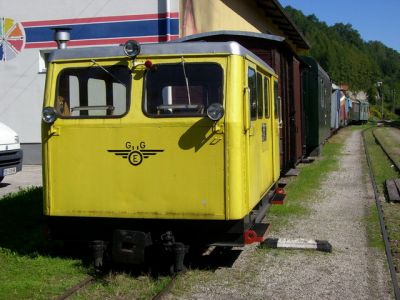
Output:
x=252 y=84
x=266 y=98
x=260 y=102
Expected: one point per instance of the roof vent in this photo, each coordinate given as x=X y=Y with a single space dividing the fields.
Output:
x=62 y=36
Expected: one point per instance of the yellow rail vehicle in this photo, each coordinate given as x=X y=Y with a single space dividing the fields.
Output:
x=175 y=145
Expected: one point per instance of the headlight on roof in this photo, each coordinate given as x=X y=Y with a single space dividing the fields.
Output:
x=132 y=48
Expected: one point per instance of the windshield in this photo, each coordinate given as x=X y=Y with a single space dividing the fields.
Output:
x=182 y=89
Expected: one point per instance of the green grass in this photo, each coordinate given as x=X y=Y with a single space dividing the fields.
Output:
x=381 y=165
x=123 y=286
x=40 y=277
x=31 y=267
x=382 y=169
x=386 y=137
x=373 y=229
x=27 y=268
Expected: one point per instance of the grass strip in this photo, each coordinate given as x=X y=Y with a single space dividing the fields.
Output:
x=382 y=169
x=28 y=270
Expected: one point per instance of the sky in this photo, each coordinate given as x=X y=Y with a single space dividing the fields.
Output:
x=374 y=20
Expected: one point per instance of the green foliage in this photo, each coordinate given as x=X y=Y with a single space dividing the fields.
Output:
x=348 y=59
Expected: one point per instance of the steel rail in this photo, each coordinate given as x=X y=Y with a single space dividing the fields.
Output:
x=75 y=288
x=391 y=158
x=166 y=290
x=385 y=236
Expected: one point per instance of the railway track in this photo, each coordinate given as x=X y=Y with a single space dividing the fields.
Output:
x=74 y=289
x=383 y=228
x=164 y=292
x=84 y=283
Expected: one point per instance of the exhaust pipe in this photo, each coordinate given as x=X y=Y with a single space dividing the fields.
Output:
x=62 y=36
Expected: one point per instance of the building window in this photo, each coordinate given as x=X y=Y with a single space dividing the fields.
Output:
x=43 y=60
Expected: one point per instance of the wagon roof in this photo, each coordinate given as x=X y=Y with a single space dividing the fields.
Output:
x=170 y=48
x=232 y=33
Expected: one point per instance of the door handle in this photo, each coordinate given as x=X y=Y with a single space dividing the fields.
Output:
x=54 y=131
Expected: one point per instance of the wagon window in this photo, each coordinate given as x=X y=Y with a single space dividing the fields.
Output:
x=182 y=89
x=93 y=92
x=252 y=84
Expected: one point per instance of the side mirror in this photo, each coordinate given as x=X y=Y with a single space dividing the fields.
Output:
x=215 y=111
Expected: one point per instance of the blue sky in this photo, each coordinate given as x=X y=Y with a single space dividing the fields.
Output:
x=374 y=20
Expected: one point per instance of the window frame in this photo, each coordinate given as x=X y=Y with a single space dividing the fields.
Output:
x=260 y=95
x=267 y=100
x=253 y=112
x=127 y=99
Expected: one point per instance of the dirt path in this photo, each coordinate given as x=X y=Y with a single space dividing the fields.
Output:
x=352 y=271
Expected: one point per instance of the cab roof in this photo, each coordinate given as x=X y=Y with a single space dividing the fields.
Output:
x=170 y=48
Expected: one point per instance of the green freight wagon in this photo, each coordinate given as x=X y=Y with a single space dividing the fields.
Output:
x=316 y=93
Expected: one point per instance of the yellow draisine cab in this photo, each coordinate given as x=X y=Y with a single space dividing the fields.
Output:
x=177 y=142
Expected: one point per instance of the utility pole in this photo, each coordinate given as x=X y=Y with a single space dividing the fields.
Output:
x=380 y=90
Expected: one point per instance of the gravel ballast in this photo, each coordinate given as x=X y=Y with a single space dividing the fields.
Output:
x=339 y=210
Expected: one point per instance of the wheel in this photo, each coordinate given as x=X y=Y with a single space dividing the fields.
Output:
x=1 y=178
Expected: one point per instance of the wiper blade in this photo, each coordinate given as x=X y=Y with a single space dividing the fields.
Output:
x=108 y=72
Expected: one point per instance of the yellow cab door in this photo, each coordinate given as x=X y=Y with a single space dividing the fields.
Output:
x=254 y=135
x=135 y=142
x=267 y=138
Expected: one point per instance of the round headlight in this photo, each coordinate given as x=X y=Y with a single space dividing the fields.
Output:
x=215 y=111
x=49 y=115
x=132 y=48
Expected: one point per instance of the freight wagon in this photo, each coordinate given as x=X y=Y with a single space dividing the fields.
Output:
x=316 y=90
x=156 y=148
x=359 y=111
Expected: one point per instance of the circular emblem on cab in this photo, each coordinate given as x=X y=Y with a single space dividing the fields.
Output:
x=135 y=158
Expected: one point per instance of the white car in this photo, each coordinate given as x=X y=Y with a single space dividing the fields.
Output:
x=10 y=152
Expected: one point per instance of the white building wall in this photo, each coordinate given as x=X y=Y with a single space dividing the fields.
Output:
x=21 y=83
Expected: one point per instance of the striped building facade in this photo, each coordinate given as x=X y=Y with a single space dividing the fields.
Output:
x=26 y=39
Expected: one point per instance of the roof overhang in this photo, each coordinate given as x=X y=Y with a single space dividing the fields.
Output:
x=274 y=11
